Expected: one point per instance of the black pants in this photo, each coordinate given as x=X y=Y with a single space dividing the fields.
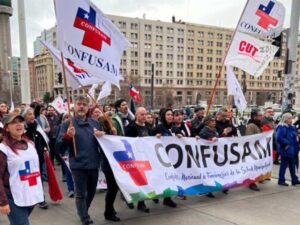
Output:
x=112 y=190
x=85 y=188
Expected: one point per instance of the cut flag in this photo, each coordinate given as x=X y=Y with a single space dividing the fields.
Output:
x=234 y=89
x=250 y=54
x=90 y=39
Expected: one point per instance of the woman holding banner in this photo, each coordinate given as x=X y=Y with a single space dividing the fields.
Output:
x=165 y=129
x=287 y=147
x=20 y=181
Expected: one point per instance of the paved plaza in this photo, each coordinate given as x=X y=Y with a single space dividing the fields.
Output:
x=272 y=205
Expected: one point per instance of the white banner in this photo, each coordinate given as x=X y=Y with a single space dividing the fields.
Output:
x=250 y=54
x=151 y=167
x=102 y=184
x=263 y=17
x=90 y=39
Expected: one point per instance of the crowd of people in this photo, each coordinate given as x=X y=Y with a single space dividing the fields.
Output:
x=28 y=131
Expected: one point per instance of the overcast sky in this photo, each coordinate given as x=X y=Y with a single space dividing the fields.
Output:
x=40 y=14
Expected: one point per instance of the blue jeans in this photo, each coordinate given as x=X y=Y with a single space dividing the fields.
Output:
x=18 y=215
x=70 y=182
x=85 y=188
x=287 y=162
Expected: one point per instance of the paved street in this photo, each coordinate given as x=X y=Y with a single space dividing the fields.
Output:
x=273 y=205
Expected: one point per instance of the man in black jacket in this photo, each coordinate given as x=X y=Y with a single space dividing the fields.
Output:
x=138 y=128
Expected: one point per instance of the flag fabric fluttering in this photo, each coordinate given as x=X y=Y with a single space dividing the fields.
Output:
x=134 y=93
x=92 y=91
x=263 y=18
x=59 y=105
x=234 y=89
x=73 y=72
x=90 y=39
x=105 y=90
x=12 y=107
x=250 y=54
x=54 y=189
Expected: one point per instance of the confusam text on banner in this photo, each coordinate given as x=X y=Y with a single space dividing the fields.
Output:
x=263 y=18
x=76 y=76
x=151 y=167
x=250 y=54
x=88 y=38
x=234 y=89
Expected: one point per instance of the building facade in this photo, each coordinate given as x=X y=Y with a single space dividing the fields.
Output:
x=186 y=59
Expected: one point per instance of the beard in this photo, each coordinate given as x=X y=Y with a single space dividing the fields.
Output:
x=81 y=113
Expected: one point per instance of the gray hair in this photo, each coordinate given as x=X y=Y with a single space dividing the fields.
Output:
x=82 y=98
x=284 y=118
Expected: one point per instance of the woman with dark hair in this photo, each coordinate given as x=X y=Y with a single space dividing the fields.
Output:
x=165 y=129
x=20 y=182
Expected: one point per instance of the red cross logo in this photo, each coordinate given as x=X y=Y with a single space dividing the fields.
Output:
x=264 y=13
x=93 y=36
x=26 y=174
x=135 y=168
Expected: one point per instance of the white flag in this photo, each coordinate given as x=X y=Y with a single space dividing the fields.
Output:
x=12 y=107
x=105 y=91
x=263 y=18
x=59 y=105
x=90 y=39
x=234 y=89
x=250 y=54
x=92 y=90
x=73 y=72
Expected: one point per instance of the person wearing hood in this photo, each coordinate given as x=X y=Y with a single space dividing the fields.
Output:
x=179 y=126
x=288 y=148
x=254 y=127
x=36 y=134
x=165 y=129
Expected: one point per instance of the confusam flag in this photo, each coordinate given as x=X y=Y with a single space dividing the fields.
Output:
x=250 y=54
x=105 y=91
x=90 y=39
x=76 y=76
x=234 y=89
x=263 y=18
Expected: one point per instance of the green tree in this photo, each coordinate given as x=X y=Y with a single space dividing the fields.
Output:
x=47 y=98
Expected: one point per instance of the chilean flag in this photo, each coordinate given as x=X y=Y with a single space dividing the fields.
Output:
x=134 y=93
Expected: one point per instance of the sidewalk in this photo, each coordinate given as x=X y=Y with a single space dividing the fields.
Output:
x=272 y=205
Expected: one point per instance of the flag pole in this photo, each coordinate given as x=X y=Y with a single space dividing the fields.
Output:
x=92 y=98
x=223 y=61
x=68 y=98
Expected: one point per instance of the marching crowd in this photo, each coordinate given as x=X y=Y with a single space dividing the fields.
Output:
x=28 y=131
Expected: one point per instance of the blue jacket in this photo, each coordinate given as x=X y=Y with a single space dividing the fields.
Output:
x=287 y=141
x=88 y=149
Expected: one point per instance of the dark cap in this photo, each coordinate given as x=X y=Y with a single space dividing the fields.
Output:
x=198 y=108
x=208 y=118
x=9 y=118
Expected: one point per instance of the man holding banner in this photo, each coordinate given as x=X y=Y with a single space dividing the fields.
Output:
x=138 y=128
x=85 y=164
